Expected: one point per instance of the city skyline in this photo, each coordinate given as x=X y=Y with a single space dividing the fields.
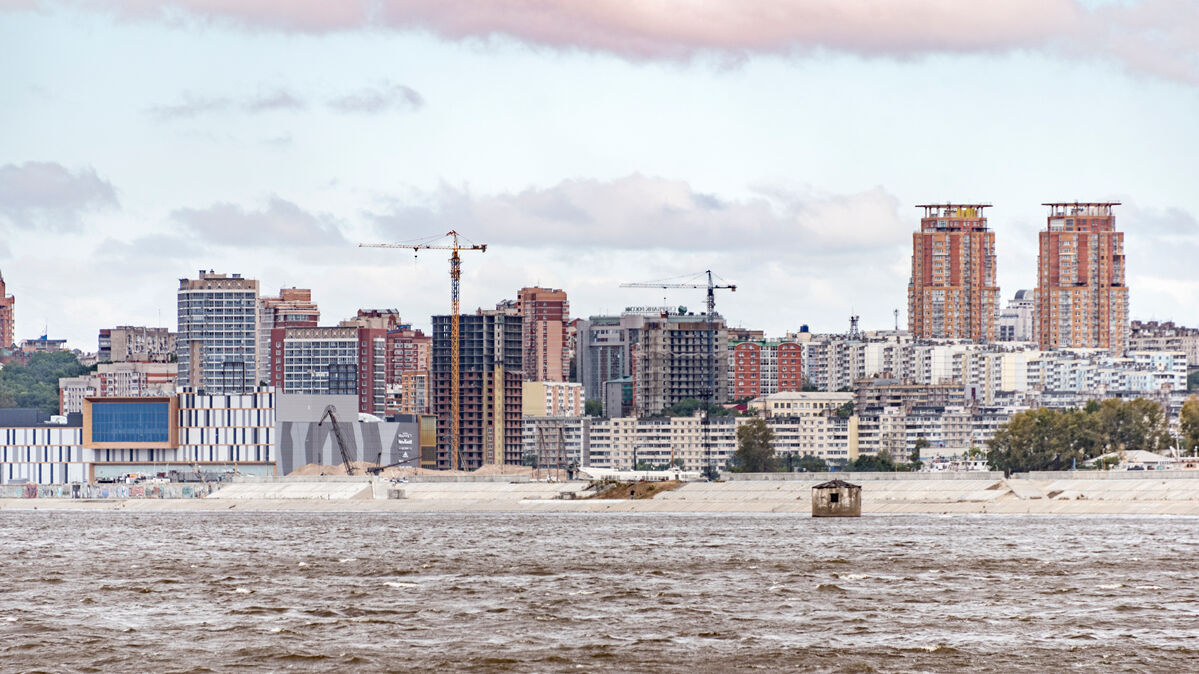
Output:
x=165 y=138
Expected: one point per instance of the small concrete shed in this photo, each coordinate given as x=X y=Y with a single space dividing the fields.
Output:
x=837 y=498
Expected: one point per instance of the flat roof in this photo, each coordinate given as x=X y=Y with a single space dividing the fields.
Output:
x=1080 y=203
x=953 y=205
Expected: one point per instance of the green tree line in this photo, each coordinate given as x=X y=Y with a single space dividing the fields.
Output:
x=35 y=384
x=1045 y=439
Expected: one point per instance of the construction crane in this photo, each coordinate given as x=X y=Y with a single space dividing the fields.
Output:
x=455 y=324
x=331 y=415
x=710 y=389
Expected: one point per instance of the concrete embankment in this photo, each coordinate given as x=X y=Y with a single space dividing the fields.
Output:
x=1047 y=493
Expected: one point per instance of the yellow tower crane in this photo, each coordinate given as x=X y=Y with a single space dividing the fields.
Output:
x=455 y=276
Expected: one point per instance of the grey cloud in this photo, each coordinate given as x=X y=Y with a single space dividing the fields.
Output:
x=47 y=194
x=279 y=99
x=190 y=106
x=389 y=96
x=640 y=212
x=281 y=224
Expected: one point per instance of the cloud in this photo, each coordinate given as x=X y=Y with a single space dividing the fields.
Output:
x=1150 y=36
x=281 y=224
x=642 y=212
x=190 y=106
x=387 y=96
x=379 y=99
x=275 y=100
x=47 y=194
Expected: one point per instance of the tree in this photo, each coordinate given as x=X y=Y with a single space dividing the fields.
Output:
x=845 y=411
x=1193 y=381
x=1188 y=424
x=812 y=464
x=1133 y=424
x=689 y=406
x=1044 y=439
x=755 y=447
x=874 y=463
x=921 y=443
x=35 y=383
x=593 y=408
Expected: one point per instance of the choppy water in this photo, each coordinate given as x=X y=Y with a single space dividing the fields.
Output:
x=565 y=592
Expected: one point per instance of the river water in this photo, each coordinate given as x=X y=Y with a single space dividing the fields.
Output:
x=195 y=592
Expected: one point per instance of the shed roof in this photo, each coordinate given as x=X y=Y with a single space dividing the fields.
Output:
x=836 y=484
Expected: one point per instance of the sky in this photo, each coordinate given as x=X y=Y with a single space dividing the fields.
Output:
x=783 y=144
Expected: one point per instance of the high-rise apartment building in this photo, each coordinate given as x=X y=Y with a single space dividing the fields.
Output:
x=1082 y=300
x=490 y=381
x=333 y=361
x=217 y=344
x=409 y=362
x=952 y=293
x=672 y=362
x=545 y=314
x=293 y=308
x=7 y=306
x=762 y=367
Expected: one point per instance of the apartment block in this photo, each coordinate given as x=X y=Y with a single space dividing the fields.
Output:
x=764 y=367
x=679 y=357
x=8 y=305
x=1165 y=336
x=217 y=344
x=490 y=380
x=551 y=399
x=1082 y=298
x=136 y=344
x=545 y=314
x=292 y=308
x=118 y=380
x=409 y=362
x=332 y=361
x=953 y=293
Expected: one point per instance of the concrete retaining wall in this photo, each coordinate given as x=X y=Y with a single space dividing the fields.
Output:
x=174 y=490
x=1108 y=475
x=856 y=477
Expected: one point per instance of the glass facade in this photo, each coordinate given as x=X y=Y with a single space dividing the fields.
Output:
x=131 y=422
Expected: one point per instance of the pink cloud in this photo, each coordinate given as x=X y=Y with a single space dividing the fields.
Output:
x=1160 y=37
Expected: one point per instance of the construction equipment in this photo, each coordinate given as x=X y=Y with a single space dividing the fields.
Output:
x=710 y=388
x=331 y=415
x=418 y=245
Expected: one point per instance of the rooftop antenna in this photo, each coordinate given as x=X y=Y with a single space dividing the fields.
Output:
x=853 y=327
x=897 y=320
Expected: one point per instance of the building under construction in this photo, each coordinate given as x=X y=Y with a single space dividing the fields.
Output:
x=676 y=358
x=490 y=379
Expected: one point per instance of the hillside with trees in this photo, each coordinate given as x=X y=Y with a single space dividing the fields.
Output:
x=35 y=384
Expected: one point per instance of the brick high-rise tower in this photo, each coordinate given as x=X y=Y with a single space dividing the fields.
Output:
x=1081 y=301
x=952 y=294
x=7 y=305
x=545 y=313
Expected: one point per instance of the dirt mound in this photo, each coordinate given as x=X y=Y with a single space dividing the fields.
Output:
x=638 y=490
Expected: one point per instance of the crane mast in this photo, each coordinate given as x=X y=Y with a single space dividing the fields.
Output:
x=455 y=328
x=710 y=389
